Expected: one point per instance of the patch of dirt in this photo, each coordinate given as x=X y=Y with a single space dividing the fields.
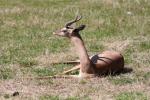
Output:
x=118 y=45
x=95 y=88
x=61 y=87
x=142 y=59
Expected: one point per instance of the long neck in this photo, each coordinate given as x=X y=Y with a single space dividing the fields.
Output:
x=81 y=50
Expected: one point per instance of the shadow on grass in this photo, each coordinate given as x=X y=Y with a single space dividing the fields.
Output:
x=123 y=71
x=126 y=70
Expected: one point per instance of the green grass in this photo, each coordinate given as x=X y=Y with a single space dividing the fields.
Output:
x=27 y=63
x=122 y=80
x=43 y=72
x=27 y=46
x=131 y=96
x=49 y=98
x=49 y=71
x=6 y=73
x=6 y=96
x=145 y=45
x=147 y=75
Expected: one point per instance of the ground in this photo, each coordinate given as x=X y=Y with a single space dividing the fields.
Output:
x=28 y=48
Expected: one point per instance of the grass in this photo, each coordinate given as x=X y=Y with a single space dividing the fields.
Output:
x=27 y=47
x=58 y=98
x=6 y=73
x=145 y=45
x=131 y=96
x=122 y=80
x=49 y=98
x=147 y=75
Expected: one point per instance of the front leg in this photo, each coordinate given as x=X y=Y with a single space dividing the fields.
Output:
x=72 y=69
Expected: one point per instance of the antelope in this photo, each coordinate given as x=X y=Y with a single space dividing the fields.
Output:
x=105 y=62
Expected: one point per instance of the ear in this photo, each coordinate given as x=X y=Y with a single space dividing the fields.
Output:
x=81 y=27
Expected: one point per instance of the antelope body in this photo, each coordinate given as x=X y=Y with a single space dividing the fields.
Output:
x=105 y=62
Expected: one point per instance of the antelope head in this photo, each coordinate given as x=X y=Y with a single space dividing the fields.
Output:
x=68 y=30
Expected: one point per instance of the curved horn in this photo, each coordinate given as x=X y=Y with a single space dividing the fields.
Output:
x=71 y=22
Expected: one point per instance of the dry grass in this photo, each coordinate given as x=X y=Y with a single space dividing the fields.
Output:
x=100 y=88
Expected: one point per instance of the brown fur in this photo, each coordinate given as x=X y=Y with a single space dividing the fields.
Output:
x=105 y=62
